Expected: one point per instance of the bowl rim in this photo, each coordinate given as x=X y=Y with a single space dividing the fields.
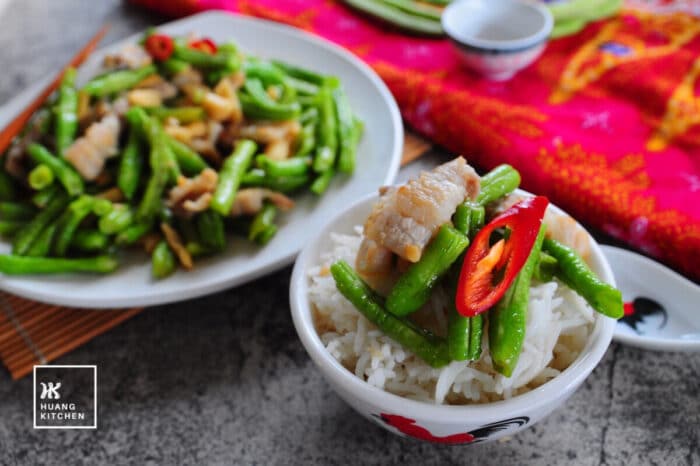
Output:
x=513 y=45
x=339 y=376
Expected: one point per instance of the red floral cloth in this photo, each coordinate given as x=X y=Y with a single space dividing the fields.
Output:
x=606 y=123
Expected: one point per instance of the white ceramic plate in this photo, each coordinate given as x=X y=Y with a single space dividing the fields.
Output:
x=378 y=160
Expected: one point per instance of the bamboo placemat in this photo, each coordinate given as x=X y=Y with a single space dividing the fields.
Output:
x=36 y=333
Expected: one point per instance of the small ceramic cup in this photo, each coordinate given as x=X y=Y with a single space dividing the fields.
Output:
x=425 y=421
x=497 y=38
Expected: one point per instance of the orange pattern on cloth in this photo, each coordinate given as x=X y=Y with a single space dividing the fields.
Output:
x=642 y=35
x=576 y=123
x=682 y=113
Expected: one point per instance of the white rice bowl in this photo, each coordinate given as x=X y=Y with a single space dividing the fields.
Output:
x=559 y=323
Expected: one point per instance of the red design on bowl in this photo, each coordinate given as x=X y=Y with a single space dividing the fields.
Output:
x=409 y=427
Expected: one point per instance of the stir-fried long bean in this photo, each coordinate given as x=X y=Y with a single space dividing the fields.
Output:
x=163 y=262
x=431 y=349
x=66 y=119
x=573 y=271
x=230 y=176
x=69 y=222
x=500 y=181
x=40 y=177
x=68 y=177
x=148 y=157
x=327 y=131
x=117 y=81
x=507 y=320
x=414 y=287
x=130 y=166
x=263 y=228
x=89 y=241
x=27 y=235
x=23 y=265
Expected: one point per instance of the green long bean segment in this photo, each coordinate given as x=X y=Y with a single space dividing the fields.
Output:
x=116 y=221
x=263 y=228
x=500 y=181
x=259 y=105
x=413 y=289
x=42 y=198
x=508 y=318
x=189 y=161
x=89 y=241
x=346 y=132
x=40 y=177
x=66 y=119
x=69 y=222
x=574 y=272
x=283 y=184
x=160 y=161
x=27 y=235
x=42 y=245
x=327 y=131
x=464 y=333
x=210 y=226
x=223 y=59
x=23 y=265
x=431 y=349
x=130 y=166
x=69 y=178
x=296 y=166
x=322 y=182
x=163 y=261
x=117 y=81
x=230 y=176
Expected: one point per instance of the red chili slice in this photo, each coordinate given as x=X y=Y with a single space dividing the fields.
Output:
x=488 y=271
x=159 y=46
x=205 y=45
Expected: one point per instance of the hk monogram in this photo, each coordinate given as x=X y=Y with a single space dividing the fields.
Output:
x=50 y=391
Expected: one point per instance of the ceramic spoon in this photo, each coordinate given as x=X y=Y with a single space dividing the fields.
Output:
x=662 y=308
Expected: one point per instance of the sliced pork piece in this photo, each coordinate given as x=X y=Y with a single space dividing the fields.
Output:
x=144 y=98
x=223 y=103
x=374 y=263
x=269 y=132
x=192 y=195
x=278 y=137
x=250 y=201
x=187 y=77
x=131 y=56
x=155 y=83
x=406 y=218
x=89 y=153
x=278 y=150
x=206 y=145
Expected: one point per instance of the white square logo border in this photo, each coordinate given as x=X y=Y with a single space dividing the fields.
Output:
x=67 y=366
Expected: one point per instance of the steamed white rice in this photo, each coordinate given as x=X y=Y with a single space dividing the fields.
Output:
x=558 y=325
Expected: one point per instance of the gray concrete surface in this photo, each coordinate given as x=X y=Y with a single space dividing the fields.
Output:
x=224 y=380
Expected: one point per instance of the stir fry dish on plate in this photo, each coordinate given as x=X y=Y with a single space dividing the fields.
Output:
x=178 y=142
x=459 y=290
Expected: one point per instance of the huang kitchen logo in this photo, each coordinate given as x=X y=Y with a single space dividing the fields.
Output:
x=65 y=397
x=50 y=391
